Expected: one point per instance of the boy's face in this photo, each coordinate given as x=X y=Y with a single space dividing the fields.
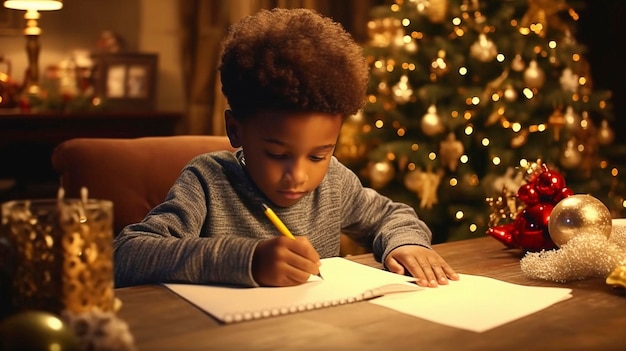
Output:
x=286 y=154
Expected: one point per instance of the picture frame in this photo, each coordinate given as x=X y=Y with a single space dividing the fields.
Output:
x=125 y=81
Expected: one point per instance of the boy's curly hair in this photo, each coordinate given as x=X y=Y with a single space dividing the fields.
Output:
x=292 y=60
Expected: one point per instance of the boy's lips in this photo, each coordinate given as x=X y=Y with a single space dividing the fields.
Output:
x=291 y=194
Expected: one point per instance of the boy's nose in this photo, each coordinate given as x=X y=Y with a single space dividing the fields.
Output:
x=297 y=173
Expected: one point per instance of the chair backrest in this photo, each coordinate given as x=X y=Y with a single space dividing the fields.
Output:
x=135 y=174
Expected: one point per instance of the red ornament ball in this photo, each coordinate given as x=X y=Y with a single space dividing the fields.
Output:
x=549 y=183
x=528 y=194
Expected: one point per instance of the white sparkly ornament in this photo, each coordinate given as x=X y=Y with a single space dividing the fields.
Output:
x=534 y=76
x=431 y=122
x=578 y=215
x=584 y=256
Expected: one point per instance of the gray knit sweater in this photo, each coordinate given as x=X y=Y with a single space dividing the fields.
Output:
x=212 y=219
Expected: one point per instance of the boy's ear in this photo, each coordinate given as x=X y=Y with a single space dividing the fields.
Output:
x=233 y=129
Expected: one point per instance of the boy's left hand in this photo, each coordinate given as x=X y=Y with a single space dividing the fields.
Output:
x=422 y=263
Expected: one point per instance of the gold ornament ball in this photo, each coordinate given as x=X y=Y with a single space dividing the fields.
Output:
x=381 y=173
x=431 y=122
x=36 y=331
x=578 y=215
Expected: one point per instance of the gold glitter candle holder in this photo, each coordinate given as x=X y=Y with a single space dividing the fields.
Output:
x=60 y=254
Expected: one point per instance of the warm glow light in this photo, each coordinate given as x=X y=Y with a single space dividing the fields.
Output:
x=38 y=5
x=453 y=181
x=496 y=160
x=528 y=93
x=432 y=156
x=464 y=159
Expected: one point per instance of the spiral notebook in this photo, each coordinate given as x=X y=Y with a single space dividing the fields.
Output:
x=344 y=282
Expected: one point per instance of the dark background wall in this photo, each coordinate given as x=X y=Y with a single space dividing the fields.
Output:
x=602 y=29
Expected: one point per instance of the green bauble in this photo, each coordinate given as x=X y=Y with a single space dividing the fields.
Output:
x=36 y=331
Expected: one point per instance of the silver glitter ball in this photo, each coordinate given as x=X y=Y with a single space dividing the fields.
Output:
x=578 y=215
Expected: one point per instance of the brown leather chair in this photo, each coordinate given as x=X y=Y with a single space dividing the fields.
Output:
x=135 y=174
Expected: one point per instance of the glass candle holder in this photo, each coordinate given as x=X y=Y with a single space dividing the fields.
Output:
x=58 y=255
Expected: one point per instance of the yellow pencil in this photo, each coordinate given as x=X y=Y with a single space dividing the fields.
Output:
x=282 y=228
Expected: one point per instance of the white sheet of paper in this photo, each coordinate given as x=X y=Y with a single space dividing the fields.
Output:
x=474 y=303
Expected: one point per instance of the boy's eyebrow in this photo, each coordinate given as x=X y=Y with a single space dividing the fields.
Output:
x=317 y=148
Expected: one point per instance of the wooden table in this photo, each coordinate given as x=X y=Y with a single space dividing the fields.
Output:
x=593 y=319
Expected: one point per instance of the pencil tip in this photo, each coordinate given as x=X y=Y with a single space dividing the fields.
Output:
x=265 y=207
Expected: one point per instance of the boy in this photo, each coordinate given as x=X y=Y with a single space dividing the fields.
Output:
x=290 y=77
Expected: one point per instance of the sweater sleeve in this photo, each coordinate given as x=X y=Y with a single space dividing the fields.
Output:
x=169 y=245
x=374 y=218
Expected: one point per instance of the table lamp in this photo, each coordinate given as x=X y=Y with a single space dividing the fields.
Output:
x=32 y=32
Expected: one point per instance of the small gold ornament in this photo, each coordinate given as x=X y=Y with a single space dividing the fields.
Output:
x=578 y=215
x=534 y=76
x=439 y=66
x=380 y=174
x=425 y=184
x=518 y=63
x=450 y=150
x=556 y=121
x=569 y=80
x=510 y=94
x=431 y=123
x=483 y=49
x=349 y=146
x=605 y=134
x=571 y=157
x=572 y=119
x=402 y=90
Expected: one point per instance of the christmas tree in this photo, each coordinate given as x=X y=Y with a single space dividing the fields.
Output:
x=464 y=96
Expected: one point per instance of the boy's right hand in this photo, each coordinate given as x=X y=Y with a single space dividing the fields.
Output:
x=283 y=261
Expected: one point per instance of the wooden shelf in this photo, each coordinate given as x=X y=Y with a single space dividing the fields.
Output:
x=27 y=141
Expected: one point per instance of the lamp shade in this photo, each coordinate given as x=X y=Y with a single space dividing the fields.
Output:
x=37 y=5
